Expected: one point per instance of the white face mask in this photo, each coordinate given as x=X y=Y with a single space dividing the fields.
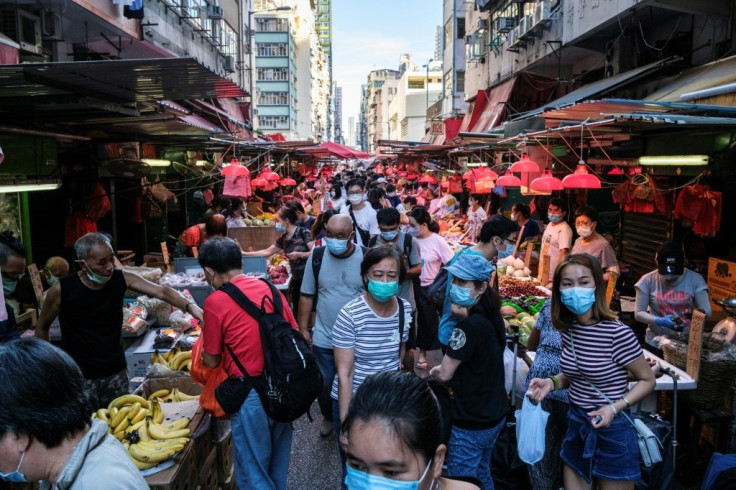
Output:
x=585 y=231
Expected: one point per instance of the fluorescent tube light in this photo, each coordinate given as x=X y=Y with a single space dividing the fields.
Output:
x=27 y=186
x=675 y=160
x=156 y=162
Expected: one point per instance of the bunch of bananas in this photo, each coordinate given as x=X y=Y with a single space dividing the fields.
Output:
x=174 y=395
x=175 y=359
x=138 y=424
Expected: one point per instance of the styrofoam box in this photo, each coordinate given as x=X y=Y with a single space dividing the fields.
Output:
x=138 y=355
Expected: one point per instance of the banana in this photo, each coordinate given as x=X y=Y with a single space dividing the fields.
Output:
x=143 y=431
x=158 y=394
x=122 y=426
x=103 y=414
x=119 y=436
x=157 y=431
x=121 y=401
x=133 y=428
x=188 y=365
x=134 y=410
x=179 y=360
x=182 y=423
x=122 y=413
x=149 y=454
x=167 y=444
x=170 y=353
x=142 y=413
x=112 y=413
x=183 y=397
x=142 y=465
x=157 y=414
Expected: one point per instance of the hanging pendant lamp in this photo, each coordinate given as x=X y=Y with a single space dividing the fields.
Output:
x=581 y=179
x=288 y=181
x=546 y=183
x=524 y=165
x=508 y=180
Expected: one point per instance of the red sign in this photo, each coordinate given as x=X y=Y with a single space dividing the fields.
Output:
x=437 y=127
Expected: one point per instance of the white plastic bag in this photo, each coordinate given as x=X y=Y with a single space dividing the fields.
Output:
x=531 y=422
x=521 y=371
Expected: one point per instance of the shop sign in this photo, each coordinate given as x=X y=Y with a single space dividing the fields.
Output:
x=721 y=281
x=437 y=127
x=695 y=344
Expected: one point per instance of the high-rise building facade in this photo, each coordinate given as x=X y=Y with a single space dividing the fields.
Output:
x=323 y=26
x=339 y=137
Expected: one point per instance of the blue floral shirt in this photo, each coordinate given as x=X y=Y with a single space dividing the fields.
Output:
x=547 y=361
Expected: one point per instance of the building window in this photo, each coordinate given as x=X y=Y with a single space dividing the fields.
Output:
x=448 y=34
x=460 y=28
x=416 y=84
x=228 y=40
x=273 y=49
x=460 y=81
x=269 y=24
x=273 y=74
x=273 y=122
x=273 y=98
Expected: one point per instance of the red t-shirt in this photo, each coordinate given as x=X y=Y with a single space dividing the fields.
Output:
x=225 y=322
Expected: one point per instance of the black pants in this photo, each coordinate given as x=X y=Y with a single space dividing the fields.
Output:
x=427 y=321
x=294 y=294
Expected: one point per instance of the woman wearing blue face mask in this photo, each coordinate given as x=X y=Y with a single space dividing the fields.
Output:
x=599 y=357
x=473 y=366
x=294 y=242
x=12 y=269
x=395 y=434
x=370 y=332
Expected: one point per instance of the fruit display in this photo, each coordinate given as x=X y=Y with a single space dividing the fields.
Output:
x=521 y=290
x=278 y=259
x=138 y=424
x=525 y=323
x=176 y=359
x=263 y=219
x=279 y=274
x=514 y=267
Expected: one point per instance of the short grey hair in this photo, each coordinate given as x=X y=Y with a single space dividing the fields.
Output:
x=84 y=245
x=10 y=246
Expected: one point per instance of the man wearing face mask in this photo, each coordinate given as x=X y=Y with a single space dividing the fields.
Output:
x=332 y=277
x=12 y=269
x=361 y=213
x=592 y=243
x=89 y=305
x=557 y=234
x=55 y=268
x=667 y=296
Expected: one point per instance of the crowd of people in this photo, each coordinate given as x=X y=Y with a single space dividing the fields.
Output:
x=368 y=265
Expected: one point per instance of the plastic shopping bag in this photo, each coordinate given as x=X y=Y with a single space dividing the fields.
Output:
x=531 y=422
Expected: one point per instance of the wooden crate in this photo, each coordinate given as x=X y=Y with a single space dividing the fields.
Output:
x=254 y=237
x=181 y=476
x=209 y=477
x=225 y=457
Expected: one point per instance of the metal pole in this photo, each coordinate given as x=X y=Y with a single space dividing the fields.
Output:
x=250 y=67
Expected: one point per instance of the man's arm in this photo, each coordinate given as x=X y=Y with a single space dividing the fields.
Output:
x=210 y=360
x=305 y=311
x=49 y=311
x=415 y=271
x=164 y=293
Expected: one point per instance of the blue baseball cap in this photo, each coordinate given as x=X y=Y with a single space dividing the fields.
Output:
x=471 y=267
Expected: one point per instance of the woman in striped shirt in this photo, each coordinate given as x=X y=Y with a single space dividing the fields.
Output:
x=598 y=444
x=366 y=336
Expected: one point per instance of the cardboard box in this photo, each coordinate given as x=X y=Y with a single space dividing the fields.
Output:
x=721 y=283
x=138 y=355
x=181 y=476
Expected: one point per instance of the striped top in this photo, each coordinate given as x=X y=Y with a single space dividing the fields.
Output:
x=375 y=339
x=603 y=351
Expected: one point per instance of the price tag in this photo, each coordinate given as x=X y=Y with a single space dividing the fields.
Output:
x=695 y=344
x=528 y=255
x=36 y=282
x=544 y=260
x=165 y=253
x=611 y=288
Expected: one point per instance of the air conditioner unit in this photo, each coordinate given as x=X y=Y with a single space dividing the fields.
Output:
x=542 y=15
x=512 y=40
x=214 y=12
x=24 y=28
x=51 y=26
x=505 y=24
x=229 y=64
x=468 y=39
x=482 y=24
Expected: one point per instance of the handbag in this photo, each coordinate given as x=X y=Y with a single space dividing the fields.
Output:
x=650 y=448
x=232 y=392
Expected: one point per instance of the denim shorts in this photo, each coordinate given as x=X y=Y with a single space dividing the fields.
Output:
x=609 y=453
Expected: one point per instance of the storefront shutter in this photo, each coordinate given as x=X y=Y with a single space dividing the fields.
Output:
x=641 y=236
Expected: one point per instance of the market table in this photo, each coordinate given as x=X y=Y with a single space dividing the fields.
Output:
x=663 y=383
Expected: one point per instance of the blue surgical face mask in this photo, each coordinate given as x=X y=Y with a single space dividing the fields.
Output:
x=280 y=228
x=96 y=278
x=389 y=236
x=16 y=476
x=52 y=280
x=554 y=218
x=337 y=246
x=9 y=286
x=462 y=296
x=578 y=300
x=670 y=277
x=507 y=251
x=383 y=291
x=413 y=231
x=360 y=480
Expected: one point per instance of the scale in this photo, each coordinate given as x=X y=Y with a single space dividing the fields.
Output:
x=726 y=328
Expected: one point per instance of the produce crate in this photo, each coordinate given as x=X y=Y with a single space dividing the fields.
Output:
x=253 y=238
x=138 y=355
x=225 y=457
x=209 y=477
x=181 y=476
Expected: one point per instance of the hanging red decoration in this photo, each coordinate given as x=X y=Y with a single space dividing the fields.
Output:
x=288 y=181
x=546 y=183
x=234 y=169
x=581 y=179
x=524 y=165
x=260 y=182
x=508 y=181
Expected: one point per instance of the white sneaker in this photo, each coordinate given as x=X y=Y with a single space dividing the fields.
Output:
x=327 y=428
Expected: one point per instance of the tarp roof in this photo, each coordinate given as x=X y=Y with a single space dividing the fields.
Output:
x=705 y=76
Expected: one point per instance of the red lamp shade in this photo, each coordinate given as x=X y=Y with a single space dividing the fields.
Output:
x=581 y=179
x=615 y=171
x=508 y=181
x=288 y=181
x=524 y=165
x=428 y=179
x=259 y=182
x=235 y=169
x=546 y=183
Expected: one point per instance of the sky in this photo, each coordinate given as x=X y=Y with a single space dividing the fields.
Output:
x=371 y=35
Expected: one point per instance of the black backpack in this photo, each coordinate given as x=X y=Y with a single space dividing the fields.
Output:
x=318 y=255
x=291 y=380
